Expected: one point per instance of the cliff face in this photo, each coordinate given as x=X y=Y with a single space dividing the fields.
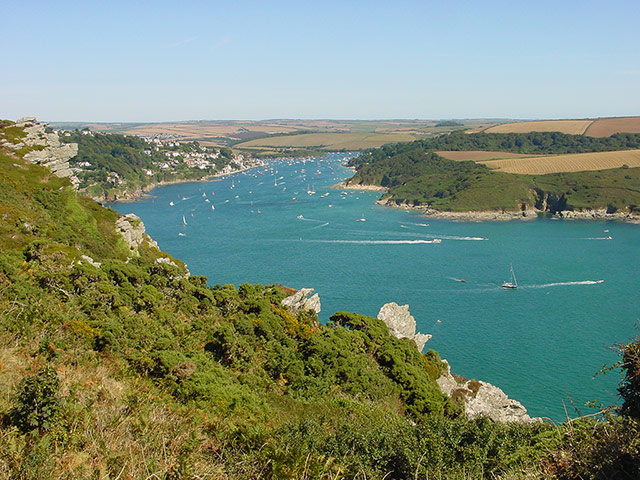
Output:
x=51 y=154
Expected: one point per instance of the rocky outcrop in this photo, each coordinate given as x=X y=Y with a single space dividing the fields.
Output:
x=89 y=260
x=483 y=399
x=401 y=323
x=51 y=154
x=299 y=301
x=133 y=232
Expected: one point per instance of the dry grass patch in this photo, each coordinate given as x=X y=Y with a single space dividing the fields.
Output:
x=477 y=155
x=576 y=162
x=605 y=127
x=571 y=127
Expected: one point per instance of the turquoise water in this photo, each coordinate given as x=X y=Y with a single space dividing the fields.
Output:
x=541 y=343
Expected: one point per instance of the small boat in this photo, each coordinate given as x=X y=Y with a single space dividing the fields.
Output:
x=171 y=204
x=361 y=219
x=212 y=207
x=184 y=222
x=513 y=283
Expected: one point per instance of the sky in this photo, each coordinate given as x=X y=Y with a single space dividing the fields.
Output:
x=139 y=61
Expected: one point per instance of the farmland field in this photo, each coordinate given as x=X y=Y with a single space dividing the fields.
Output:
x=572 y=127
x=605 y=127
x=477 y=155
x=329 y=141
x=566 y=163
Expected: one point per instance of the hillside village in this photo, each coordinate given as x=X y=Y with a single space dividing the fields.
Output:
x=112 y=166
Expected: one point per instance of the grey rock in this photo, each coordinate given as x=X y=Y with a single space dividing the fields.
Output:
x=90 y=261
x=299 y=301
x=132 y=230
x=54 y=155
x=25 y=121
x=401 y=323
x=484 y=399
x=166 y=260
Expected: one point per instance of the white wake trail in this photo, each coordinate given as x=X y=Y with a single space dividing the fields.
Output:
x=380 y=242
x=562 y=284
x=300 y=217
x=320 y=226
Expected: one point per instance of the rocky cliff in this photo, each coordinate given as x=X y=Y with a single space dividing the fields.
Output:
x=401 y=323
x=483 y=399
x=46 y=147
x=478 y=398
x=133 y=232
x=301 y=301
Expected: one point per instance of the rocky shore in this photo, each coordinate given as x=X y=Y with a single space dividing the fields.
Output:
x=346 y=186
x=477 y=397
x=528 y=214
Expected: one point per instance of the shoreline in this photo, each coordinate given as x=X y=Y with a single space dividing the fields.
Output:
x=370 y=188
x=525 y=215
x=143 y=192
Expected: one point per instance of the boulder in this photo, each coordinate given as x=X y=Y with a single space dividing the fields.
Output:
x=401 y=323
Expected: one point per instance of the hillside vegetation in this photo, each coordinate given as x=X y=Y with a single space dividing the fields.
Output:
x=417 y=176
x=116 y=363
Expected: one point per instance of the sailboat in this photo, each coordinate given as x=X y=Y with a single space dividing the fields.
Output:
x=513 y=283
x=184 y=222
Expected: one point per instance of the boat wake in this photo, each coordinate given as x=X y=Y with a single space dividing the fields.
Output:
x=380 y=242
x=598 y=238
x=320 y=226
x=455 y=237
x=300 y=217
x=562 y=284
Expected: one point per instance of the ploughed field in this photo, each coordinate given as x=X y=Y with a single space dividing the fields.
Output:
x=599 y=127
x=572 y=127
x=542 y=164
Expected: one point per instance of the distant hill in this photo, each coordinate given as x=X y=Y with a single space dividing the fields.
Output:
x=549 y=172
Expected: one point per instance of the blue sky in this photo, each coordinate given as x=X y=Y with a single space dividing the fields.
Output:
x=161 y=61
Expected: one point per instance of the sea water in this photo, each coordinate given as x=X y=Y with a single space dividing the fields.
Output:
x=542 y=343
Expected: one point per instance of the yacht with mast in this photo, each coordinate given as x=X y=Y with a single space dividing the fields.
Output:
x=513 y=283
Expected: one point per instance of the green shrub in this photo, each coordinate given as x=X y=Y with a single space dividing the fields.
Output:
x=37 y=401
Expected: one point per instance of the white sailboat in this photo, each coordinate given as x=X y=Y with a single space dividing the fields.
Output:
x=513 y=283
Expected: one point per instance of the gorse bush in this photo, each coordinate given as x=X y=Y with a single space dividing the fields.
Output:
x=37 y=401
